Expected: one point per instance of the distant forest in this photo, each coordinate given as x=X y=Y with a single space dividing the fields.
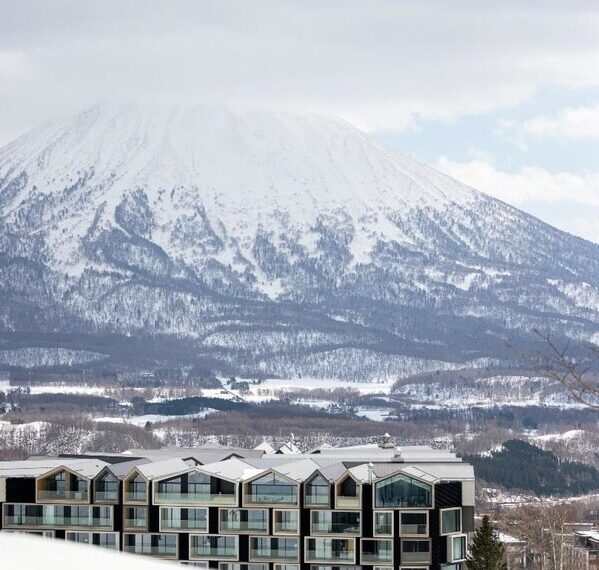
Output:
x=520 y=465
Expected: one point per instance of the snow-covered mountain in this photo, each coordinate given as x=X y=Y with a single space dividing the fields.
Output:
x=267 y=243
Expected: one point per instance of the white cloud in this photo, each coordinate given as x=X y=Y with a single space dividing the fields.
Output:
x=571 y=123
x=377 y=64
x=558 y=198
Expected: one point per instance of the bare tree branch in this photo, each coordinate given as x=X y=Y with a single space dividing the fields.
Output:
x=574 y=374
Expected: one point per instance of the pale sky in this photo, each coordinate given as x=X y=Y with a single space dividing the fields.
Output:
x=502 y=95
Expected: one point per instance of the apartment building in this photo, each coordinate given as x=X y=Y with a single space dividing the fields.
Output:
x=375 y=507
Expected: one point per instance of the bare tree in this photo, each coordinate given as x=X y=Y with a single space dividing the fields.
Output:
x=576 y=374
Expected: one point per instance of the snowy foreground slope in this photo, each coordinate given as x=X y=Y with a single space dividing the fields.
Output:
x=23 y=552
x=260 y=243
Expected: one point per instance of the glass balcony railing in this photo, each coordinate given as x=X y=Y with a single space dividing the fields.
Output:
x=328 y=554
x=347 y=502
x=317 y=497
x=136 y=496
x=159 y=550
x=274 y=554
x=62 y=495
x=414 y=529
x=49 y=520
x=139 y=522
x=208 y=547
x=243 y=526
x=335 y=528
x=106 y=496
x=275 y=498
x=195 y=499
x=409 y=557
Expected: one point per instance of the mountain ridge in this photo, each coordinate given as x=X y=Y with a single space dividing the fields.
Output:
x=269 y=241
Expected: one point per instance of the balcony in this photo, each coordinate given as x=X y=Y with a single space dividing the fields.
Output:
x=136 y=496
x=108 y=496
x=330 y=550
x=317 y=497
x=243 y=520
x=176 y=519
x=62 y=495
x=170 y=498
x=415 y=551
x=160 y=546
x=378 y=551
x=347 y=502
x=270 y=548
x=335 y=522
x=213 y=547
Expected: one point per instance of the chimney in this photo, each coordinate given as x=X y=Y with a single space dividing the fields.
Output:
x=386 y=442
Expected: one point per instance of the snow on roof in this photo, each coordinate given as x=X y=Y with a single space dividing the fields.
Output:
x=87 y=468
x=232 y=469
x=288 y=448
x=266 y=447
x=298 y=470
x=164 y=468
x=590 y=534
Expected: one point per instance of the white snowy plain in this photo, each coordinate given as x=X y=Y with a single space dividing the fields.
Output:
x=25 y=552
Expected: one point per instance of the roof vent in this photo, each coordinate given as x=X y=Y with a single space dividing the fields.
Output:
x=386 y=442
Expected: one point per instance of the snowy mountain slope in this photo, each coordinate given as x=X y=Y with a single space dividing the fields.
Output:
x=262 y=242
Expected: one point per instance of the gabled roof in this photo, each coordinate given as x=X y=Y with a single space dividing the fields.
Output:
x=288 y=448
x=298 y=470
x=265 y=447
x=164 y=468
x=87 y=468
x=231 y=469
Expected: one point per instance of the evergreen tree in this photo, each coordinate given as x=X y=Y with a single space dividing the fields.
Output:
x=485 y=552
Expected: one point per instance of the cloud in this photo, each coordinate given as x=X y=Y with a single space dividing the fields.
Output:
x=567 y=200
x=571 y=123
x=381 y=65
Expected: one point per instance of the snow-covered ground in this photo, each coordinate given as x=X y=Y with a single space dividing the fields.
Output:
x=26 y=552
x=141 y=421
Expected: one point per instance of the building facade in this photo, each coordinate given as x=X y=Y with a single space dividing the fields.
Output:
x=371 y=507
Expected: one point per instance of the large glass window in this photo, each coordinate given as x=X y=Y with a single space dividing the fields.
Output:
x=413 y=523
x=415 y=551
x=161 y=545
x=135 y=489
x=336 y=522
x=243 y=520
x=286 y=522
x=107 y=488
x=182 y=518
x=272 y=489
x=402 y=491
x=377 y=550
x=317 y=492
x=456 y=548
x=273 y=548
x=347 y=494
x=213 y=546
x=383 y=523
x=330 y=549
x=135 y=517
x=451 y=521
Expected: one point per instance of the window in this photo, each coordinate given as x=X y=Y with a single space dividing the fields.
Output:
x=135 y=517
x=456 y=548
x=213 y=546
x=383 y=523
x=330 y=549
x=286 y=522
x=243 y=520
x=413 y=523
x=107 y=488
x=181 y=518
x=377 y=550
x=347 y=494
x=335 y=522
x=273 y=548
x=317 y=492
x=272 y=489
x=241 y=566
x=160 y=545
x=402 y=491
x=451 y=521
x=135 y=489
x=415 y=551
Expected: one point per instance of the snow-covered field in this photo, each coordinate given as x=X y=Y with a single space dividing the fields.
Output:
x=26 y=552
